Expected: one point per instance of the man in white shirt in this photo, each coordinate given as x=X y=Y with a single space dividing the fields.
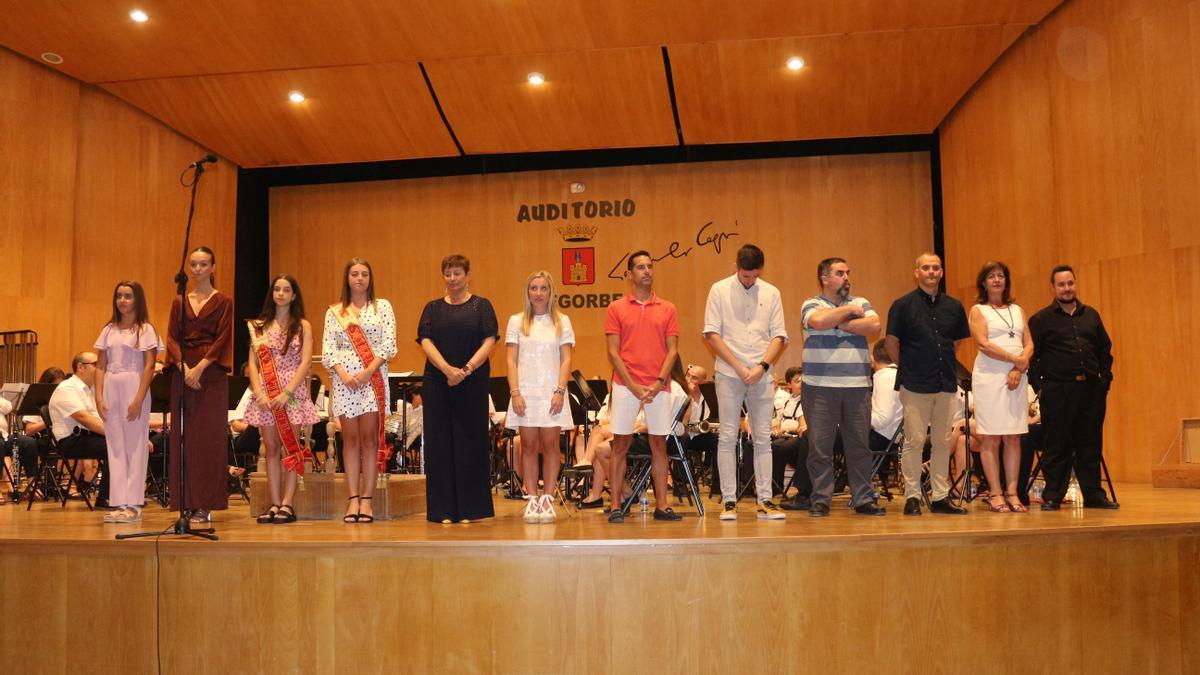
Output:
x=743 y=323
x=75 y=421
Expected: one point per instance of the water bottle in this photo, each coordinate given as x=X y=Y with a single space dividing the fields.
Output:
x=644 y=500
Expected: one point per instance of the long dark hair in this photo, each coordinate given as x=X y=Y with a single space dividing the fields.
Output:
x=346 y=281
x=141 y=316
x=212 y=276
x=295 y=312
x=981 y=296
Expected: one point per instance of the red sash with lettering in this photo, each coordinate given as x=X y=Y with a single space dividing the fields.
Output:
x=347 y=317
x=294 y=453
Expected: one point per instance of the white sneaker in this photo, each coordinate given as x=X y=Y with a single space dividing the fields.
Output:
x=546 y=505
x=533 y=510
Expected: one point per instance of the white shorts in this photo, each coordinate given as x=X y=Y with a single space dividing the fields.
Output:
x=623 y=411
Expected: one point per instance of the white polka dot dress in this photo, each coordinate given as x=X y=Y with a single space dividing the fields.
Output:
x=379 y=325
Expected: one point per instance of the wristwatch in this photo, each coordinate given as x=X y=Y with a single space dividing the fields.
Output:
x=764 y=365
x=661 y=380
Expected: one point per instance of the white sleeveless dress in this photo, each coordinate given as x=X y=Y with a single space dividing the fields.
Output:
x=998 y=411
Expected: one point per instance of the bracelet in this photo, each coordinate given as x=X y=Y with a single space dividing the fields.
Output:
x=467 y=368
x=560 y=390
x=515 y=392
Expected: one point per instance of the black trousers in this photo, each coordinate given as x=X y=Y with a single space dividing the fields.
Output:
x=457 y=469
x=791 y=450
x=1030 y=443
x=88 y=446
x=1073 y=424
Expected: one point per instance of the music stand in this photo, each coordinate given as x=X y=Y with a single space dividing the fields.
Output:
x=401 y=387
x=160 y=402
x=499 y=393
x=30 y=405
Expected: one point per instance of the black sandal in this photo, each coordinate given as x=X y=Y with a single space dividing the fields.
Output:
x=281 y=517
x=267 y=517
x=350 y=517
x=364 y=517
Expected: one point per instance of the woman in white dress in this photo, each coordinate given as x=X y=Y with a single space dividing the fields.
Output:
x=539 y=340
x=998 y=382
x=357 y=402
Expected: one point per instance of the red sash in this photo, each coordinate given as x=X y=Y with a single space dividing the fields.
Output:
x=347 y=317
x=294 y=453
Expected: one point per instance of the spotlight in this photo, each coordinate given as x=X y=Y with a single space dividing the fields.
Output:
x=139 y=16
x=296 y=97
x=536 y=79
x=795 y=63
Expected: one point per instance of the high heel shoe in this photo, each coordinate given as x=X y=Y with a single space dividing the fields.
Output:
x=351 y=517
x=533 y=509
x=364 y=517
x=1002 y=508
x=546 y=508
x=1014 y=504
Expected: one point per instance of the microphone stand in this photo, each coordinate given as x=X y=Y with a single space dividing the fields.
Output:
x=182 y=526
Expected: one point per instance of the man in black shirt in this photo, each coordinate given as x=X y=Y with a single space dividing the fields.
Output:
x=1072 y=370
x=921 y=331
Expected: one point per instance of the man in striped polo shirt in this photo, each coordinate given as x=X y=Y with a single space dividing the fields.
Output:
x=836 y=386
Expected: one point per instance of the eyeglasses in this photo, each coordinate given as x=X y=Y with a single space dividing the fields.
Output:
x=88 y=363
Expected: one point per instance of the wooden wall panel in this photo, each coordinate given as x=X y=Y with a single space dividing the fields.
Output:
x=871 y=209
x=91 y=195
x=130 y=212
x=1080 y=147
x=38 y=133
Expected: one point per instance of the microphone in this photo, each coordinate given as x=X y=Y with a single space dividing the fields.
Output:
x=211 y=159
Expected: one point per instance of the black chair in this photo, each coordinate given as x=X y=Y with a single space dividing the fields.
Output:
x=48 y=466
x=676 y=458
x=46 y=477
x=891 y=451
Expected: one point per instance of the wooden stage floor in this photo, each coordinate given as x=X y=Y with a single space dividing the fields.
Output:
x=1071 y=591
x=1143 y=509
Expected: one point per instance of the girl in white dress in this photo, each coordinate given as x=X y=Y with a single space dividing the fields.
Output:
x=539 y=342
x=998 y=382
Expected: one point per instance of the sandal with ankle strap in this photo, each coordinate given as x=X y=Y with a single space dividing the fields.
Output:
x=351 y=517
x=364 y=517
x=1015 y=506
x=1002 y=508
x=267 y=517
x=282 y=517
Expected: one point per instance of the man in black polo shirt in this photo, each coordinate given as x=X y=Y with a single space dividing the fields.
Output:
x=922 y=329
x=1072 y=370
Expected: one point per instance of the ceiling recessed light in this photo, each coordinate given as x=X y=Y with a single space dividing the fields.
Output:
x=139 y=16
x=52 y=58
x=536 y=79
x=295 y=96
x=795 y=63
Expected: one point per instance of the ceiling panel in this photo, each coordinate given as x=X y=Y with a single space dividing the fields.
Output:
x=597 y=99
x=353 y=114
x=865 y=84
x=217 y=70
x=101 y=44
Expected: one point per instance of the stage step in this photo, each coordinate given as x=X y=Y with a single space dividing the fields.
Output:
x=323 y=496
x=1175 y=476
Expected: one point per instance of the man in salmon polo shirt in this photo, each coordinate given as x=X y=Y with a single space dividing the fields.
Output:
x=642 y=331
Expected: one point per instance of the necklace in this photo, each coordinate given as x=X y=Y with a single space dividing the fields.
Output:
x=1007 y=322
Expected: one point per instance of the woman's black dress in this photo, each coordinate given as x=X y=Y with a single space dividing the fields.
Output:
x=457 y=485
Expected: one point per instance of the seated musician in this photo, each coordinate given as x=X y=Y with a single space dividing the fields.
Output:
x=789 y=443
x=75 y=420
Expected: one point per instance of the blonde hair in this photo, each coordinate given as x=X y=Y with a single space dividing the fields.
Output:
x=527 y=315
